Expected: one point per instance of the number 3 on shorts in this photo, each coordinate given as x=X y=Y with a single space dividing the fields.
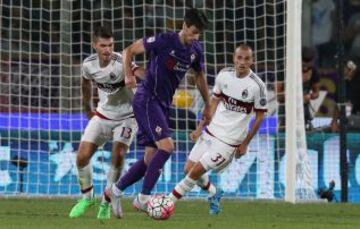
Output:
x=126 y=132
x=218 y=159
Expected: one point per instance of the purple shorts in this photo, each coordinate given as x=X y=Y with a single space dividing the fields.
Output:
x=152 y=119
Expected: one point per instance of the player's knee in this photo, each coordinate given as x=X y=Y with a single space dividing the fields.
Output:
x=166 y=145
x=188 y=167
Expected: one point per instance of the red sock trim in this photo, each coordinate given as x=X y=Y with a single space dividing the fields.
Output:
x=207 y=186
x=87 y=189
x=176 y=194
x=106 y=197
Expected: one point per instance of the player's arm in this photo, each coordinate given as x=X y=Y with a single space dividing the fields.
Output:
x=197 y=132
x=86 y=87
x=204 y=91
x=255 y=127
x=139 y=72
x=315 y=90
x=128 y=54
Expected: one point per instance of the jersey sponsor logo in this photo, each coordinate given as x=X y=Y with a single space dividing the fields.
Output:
x=245 y=94
x=150 y=39
x=173 y=65
x=237 y=105
x=112 y=76
x=263 y=101
x=192 y=57
x=110 y=88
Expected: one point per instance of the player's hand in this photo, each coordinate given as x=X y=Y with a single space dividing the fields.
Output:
x=130 y=81
x=195 y=135
x=241 y=150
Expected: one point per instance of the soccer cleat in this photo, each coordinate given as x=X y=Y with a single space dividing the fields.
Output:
x=81 y=207
x=104 y=211
x=115 y=201
x=214 y=202
x=138 y=205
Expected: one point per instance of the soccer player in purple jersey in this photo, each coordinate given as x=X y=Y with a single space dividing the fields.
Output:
x=171 y=55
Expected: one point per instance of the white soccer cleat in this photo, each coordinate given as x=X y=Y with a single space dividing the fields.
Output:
x=115 y=201
x=138 y=205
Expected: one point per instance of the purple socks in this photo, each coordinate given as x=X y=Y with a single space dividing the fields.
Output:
x=135 y=173
x=154 y=170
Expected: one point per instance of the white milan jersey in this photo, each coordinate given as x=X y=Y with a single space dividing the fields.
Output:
x=240 y=97
x=115 y=100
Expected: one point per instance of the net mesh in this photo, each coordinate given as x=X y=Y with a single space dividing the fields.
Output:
x=42 y=47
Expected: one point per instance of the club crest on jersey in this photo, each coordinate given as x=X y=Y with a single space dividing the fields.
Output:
x=192 y=57
x=150 y=39
x=263 y=101
x=112 y=76
x=245 y=94
x=158 y=130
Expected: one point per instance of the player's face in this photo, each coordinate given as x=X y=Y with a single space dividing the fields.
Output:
x=190 y=34
x=243 y=59
x=104 y=48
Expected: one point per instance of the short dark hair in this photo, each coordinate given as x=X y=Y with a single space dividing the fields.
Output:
x=244 y=46
x=196 y=18
x=308 y=53
x=102 y=32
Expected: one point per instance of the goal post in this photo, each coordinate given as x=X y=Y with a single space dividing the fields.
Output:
x=42 y=45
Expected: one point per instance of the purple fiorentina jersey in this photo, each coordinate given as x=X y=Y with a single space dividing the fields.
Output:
x=169 y=60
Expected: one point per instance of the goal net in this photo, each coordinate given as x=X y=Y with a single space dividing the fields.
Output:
x=43 y=44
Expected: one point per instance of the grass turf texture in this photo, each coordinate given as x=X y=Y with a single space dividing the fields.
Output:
x=53 y=213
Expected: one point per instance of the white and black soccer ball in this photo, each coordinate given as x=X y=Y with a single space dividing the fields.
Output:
x=160 y=207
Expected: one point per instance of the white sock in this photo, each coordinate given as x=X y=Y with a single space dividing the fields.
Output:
x=206 y=185
x=115 y=190
x=86 y=181
x=112 y=176
x=184 y=186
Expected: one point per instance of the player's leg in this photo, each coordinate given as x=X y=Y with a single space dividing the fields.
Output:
x=134 y=174
x=123 y=134
x=218 y=156
x=153 y=119
x=192 y=169
x=85 y=152
x=188 y=183
x=153 y=172
x=119 y=151
x=203 y=182
x=94 y=135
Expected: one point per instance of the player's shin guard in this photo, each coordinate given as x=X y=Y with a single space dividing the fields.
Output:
x=184 y=186
x=205 y=184
x=86 y=181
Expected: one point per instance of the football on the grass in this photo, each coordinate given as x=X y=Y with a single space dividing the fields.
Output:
x=160 y=207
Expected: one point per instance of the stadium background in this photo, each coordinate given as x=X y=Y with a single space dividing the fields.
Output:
x=42 y=46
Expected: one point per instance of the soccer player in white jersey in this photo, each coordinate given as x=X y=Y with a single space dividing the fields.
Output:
x=237 y=94
x=113 y=118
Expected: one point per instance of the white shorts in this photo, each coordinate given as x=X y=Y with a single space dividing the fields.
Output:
x=99 y=131
x=212 y=153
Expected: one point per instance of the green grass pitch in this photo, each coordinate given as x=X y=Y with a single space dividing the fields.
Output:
x=53 y=213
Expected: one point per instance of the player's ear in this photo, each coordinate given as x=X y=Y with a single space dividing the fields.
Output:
x=184 y=26
x=93 y=44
